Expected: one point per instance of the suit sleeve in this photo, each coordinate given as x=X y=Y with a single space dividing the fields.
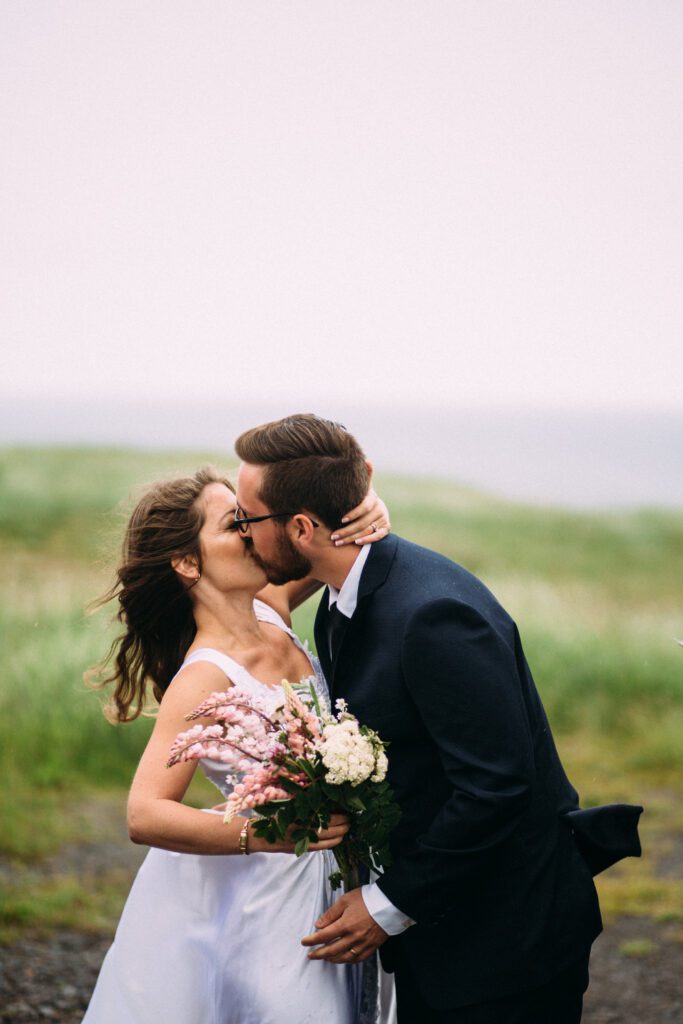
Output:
x=463 y=678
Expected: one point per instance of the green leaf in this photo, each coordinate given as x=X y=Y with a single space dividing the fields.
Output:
x=301 y=805
x=307 y=768
x=291 y=787
x=301 y=846
x=332 y=792
x=315 y=796
x=355 y=803
x=314 y=698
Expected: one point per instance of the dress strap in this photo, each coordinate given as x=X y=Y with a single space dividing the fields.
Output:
x=264 y=613
x=226 y=664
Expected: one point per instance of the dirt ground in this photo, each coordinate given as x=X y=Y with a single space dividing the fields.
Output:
x=51 y=977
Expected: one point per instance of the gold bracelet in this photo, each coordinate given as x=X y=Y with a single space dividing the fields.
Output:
x=243 y=844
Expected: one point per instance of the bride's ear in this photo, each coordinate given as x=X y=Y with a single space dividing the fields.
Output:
x=187 y=567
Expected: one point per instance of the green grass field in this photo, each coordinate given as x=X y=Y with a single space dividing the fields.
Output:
x=596 y=597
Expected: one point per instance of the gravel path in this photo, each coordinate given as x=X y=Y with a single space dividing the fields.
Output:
x=50 y=978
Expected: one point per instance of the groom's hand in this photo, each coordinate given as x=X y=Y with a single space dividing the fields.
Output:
x=346 y=926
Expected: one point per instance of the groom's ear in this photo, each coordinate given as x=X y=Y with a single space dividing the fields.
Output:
x=301 y=529
x=371 y=468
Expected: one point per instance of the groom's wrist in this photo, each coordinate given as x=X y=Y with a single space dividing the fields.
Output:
x=383 y=912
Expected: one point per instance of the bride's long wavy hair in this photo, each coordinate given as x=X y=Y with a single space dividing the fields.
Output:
x=153 y=603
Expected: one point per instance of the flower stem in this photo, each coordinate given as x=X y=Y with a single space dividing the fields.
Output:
x=348 y=865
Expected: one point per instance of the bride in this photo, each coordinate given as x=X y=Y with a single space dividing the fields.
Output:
x=211 y=932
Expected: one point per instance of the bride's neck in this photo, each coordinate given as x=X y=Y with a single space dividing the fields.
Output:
x=226 y=620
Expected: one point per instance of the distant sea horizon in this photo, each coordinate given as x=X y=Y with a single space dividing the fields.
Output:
x=579 y=459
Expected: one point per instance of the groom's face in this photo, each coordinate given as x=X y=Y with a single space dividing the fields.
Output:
x=268 y=541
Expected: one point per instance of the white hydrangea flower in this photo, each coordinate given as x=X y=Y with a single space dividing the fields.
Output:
x=350 y=756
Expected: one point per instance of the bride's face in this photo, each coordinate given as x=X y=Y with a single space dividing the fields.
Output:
x=227 y=564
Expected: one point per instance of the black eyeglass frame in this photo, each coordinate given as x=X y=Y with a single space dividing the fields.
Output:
x=240 y=521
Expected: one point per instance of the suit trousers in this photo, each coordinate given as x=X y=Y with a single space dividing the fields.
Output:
x=559 y=1001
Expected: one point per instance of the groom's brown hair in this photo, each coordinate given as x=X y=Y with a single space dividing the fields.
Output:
x=309 y=464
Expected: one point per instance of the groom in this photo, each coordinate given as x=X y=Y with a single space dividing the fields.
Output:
x=488 y=911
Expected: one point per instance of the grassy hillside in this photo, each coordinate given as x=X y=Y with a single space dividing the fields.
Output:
x=596 y=597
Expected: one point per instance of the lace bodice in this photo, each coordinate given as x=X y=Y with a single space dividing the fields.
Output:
x=215 y=771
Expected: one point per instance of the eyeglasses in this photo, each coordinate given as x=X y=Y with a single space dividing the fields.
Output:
x=242 y=522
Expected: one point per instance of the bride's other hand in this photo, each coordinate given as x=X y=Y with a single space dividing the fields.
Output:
x=327 y=838
x=367 y=522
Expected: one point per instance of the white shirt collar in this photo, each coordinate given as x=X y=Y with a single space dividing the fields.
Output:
x=346 y=599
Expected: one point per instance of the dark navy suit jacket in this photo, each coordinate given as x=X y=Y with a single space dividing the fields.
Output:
x=485 y=859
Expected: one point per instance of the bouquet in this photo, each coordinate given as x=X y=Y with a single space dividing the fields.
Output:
x=295 y=767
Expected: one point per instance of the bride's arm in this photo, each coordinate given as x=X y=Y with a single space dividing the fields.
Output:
x=372 y=512
x=156 y=815
x=286 y=597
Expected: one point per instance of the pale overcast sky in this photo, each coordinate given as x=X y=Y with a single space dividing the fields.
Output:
x=441 y=201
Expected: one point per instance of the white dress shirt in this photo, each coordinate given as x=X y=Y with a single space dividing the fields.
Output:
x=346 y=599
x=392 y=920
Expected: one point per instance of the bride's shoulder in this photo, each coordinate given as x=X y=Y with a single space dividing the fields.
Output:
x=194 y=681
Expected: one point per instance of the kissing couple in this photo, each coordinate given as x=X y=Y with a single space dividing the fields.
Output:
x=488 y=910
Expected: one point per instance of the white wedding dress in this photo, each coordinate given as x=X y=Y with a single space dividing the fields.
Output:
x=217 y=939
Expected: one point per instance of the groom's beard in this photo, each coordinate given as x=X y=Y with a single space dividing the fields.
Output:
x=288 y=564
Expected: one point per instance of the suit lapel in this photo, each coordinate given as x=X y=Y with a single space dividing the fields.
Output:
x=320 y=634
x=376 y=569
x=375 y=572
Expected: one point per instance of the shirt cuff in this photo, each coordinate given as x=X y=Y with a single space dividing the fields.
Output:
x=390 y=919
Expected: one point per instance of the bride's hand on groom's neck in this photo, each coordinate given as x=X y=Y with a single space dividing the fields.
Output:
x=365 y=523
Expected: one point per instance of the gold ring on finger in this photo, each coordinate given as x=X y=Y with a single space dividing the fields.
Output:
x=374 y=527
x=353 y=952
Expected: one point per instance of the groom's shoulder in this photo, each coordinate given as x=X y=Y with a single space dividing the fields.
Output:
x=411 y=557
x=433 y=575
x=421 y=578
